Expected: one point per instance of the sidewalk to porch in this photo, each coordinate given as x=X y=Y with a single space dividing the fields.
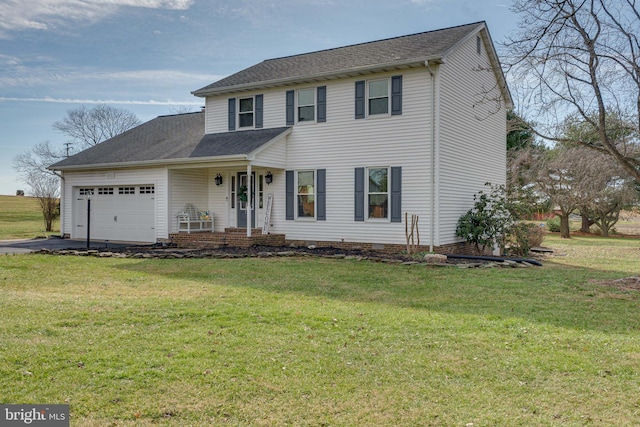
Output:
x=236 y=237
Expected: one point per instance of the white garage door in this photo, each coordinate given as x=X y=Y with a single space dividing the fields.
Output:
x=118 y=213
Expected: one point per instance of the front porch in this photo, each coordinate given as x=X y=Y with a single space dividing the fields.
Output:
x=235 y=237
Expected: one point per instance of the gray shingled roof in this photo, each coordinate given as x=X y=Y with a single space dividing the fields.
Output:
x=168 y=138
x=344 y=60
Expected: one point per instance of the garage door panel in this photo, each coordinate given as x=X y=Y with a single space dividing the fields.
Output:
x=114 y=216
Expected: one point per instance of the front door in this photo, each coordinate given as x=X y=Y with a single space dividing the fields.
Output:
x=243 y=199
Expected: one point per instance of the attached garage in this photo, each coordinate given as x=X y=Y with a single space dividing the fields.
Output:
x=118 y=213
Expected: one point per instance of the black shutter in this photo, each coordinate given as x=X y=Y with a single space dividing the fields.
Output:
x=360 y=99
x=322 y=104
x=290 y=196
x=396 y=194
x=232 y=114
x=396 y=95
x=359 y=195
x=259 y=103
x=290 y=107
x=321 y=185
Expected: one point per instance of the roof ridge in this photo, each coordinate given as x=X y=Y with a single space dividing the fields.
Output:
x=375 y=41
x=181 y=114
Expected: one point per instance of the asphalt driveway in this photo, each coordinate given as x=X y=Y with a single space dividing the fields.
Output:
x=54 y=243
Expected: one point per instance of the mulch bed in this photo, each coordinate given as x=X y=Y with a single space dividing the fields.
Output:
x=269 y=251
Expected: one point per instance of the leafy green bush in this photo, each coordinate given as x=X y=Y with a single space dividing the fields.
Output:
x=487 y=224
x=553 y=224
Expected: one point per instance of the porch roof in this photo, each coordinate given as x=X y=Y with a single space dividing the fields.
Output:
x=176 y=139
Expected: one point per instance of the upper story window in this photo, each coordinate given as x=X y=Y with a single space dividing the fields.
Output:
x=378 y=97
x=306 y=105
x=245 y=112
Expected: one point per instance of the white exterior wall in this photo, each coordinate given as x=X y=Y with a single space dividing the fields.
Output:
x=472 y=145
x=187 y=186
x=121 y=177
x=342 y=144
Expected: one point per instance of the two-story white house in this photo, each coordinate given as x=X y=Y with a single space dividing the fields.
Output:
x=332 y=147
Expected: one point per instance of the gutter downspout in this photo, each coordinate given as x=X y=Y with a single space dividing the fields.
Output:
x=249 y=204
x=433 y=70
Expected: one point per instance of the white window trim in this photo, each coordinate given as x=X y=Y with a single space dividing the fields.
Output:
x=239 y=113
x=368 y=98
x=367 y=193
x=315 y=105
x=296 y=216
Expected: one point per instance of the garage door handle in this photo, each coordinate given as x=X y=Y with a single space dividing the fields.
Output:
x=115 y=218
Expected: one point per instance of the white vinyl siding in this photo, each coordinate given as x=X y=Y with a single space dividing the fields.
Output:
x=342 y=144
x=188 y=186
x=472 y=136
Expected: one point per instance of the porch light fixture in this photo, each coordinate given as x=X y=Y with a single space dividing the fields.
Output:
x=218 y=179
x=268 y=178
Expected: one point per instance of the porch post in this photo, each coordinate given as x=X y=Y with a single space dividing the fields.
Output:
x=249 y=206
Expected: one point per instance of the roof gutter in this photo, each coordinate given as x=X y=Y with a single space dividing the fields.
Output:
x=414 y=62
x=147 y=163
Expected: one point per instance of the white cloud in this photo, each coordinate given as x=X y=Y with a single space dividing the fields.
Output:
x=22 y=77
x=102 y=101
x=16 y=15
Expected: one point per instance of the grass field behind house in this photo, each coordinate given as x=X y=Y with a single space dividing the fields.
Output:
x=21 y=218
x=276 y=342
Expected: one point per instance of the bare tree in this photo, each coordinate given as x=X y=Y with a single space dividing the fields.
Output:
x=31 y=167
x=558 y=178
x=88 y=127
x=580 y=58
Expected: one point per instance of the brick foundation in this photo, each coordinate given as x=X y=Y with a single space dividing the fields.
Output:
x=461 y=248
x=237 y=237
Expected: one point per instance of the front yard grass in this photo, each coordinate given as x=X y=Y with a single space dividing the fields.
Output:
x=274 y=342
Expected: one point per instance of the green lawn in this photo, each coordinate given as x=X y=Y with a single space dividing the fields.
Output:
x=289 y=342
x=21 y=218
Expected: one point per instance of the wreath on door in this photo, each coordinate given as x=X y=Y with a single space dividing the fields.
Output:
x=242 y=193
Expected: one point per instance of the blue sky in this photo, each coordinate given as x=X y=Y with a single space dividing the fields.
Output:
x=148 y=55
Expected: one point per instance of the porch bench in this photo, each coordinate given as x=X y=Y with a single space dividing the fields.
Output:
x=192 y=220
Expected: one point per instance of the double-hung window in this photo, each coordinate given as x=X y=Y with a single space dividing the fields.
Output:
x=378 y=193
x=245 y=112
x=306 y=105
x=378 y=97
x=306 y=194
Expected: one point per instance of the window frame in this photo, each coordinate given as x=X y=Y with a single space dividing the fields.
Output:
x=368 y=193
x=241 y=113
x=369 y=98
x=314 y=194
x=314 y=104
